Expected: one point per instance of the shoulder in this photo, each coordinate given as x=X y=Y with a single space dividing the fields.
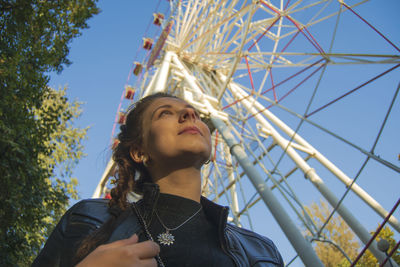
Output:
x=84 y=216
x=91 y=209
x=253 y=248
x=79 y=221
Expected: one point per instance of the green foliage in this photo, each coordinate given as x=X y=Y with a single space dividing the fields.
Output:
x=38 y=143
x=64 y=144
x=35 y=204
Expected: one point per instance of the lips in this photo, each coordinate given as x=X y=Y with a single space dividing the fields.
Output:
x=190 y=130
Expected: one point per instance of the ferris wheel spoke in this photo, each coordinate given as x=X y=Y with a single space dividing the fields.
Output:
x=191 y=37
x=257 y=161
x=351 y=91
x=335 y=135
x=243 y=196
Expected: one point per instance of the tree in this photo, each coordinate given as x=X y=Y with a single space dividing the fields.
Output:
x=64 y=149
x=64 y=145
x=339 y=233
x=336 y=234
x=369 y=260
x=35 y=184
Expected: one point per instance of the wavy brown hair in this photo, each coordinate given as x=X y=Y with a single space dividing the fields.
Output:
x=130 y=176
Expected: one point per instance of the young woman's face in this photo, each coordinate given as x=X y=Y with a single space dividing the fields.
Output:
x=174 y=133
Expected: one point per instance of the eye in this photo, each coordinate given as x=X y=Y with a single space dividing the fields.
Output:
x=165 y=112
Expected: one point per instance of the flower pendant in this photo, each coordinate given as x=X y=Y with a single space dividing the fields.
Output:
x=166 y=238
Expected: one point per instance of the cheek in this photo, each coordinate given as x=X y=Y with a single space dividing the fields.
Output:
x=206 y=131
x=209 y=139
x=159 y=141
x=207 y=136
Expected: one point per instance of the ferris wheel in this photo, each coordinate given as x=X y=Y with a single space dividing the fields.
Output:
x=300 y=97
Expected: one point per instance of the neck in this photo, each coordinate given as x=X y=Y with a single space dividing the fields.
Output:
x=182 y=182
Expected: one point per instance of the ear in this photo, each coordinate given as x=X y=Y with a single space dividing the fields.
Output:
x=136 y=154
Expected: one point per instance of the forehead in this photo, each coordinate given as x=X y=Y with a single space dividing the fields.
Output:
x=166 y=101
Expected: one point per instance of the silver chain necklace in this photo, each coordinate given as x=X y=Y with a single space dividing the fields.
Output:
x=167 y=238
x=146 y=229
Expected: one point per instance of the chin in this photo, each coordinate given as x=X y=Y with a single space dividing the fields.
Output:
x=198 y=156
x=198 y=148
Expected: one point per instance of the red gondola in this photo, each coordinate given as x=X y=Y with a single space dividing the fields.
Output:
x=147 y=43
x=158 y=19
x=129 y=92
x=138 y=68
x=121 y=117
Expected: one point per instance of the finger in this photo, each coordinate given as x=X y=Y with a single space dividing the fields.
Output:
x=149 y=262
x=124 y=242
x=133 y=239
x=146 y=249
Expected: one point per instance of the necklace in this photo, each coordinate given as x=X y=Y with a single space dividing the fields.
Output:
x=167 y=238
x=158 y=258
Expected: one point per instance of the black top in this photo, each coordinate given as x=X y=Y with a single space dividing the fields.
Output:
x=196 y=242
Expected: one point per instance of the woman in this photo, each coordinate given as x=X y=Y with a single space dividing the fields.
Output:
x=162 y=148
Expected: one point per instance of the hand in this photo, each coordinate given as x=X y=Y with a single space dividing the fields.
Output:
x=121 y=253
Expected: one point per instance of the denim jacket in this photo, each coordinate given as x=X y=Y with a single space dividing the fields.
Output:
x=246 y=248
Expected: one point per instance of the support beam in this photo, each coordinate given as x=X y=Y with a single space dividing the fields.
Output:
x=299 y=243
x=159 y=83
x=232 y=190
x=104 y=178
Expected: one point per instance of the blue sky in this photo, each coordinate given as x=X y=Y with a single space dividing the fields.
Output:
x=102 y=59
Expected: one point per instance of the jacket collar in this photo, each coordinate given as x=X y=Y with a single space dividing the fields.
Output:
x=218 y=216
x=151 y=192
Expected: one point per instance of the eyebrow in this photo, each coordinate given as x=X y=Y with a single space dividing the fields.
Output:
x=170 y=106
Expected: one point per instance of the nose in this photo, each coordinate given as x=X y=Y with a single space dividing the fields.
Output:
x=187 y=114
